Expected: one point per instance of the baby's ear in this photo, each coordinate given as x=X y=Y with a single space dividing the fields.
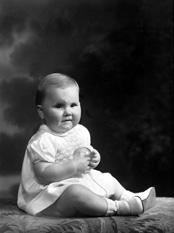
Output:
x=40 y=111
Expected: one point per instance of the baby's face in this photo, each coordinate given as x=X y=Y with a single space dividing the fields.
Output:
x=61 y=108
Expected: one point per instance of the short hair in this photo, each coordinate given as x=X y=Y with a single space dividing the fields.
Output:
x=53 y=80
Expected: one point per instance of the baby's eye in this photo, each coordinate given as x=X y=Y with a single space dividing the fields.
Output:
x=73 y=105
x=58 y=106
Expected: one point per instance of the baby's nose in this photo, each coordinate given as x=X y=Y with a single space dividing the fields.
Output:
x=67 y=111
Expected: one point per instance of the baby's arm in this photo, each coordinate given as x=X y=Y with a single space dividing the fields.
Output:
x=47 y=173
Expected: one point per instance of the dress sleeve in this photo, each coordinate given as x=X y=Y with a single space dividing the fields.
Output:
x=42 y=150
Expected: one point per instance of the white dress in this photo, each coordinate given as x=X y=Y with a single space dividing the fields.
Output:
x=50 y=147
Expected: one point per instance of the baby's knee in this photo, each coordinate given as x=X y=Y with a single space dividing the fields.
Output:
x=76 y=191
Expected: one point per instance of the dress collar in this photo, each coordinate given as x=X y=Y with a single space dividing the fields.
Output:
x=47 y=129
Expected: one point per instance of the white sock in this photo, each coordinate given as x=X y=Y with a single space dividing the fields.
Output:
x=123 y=208
x=132 y=206
x=112 y=209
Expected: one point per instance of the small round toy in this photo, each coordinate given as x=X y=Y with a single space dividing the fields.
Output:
x=82 y=152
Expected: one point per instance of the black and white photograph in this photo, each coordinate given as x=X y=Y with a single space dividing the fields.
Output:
x=86 y=116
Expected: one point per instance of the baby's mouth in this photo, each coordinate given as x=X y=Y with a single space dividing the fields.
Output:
x=65 y=120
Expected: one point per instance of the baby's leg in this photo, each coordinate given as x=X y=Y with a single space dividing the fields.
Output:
x=118 y=189
x=77 y=200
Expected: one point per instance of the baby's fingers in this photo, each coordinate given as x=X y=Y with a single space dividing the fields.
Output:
x=91 y=164
x=94 y=160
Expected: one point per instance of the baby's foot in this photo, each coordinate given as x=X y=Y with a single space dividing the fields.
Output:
x=132 y=206
x=148 y=197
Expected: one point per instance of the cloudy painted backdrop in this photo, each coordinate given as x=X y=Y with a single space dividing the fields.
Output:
x=120 y=52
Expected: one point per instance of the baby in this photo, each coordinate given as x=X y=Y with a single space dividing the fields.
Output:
x=59 y=179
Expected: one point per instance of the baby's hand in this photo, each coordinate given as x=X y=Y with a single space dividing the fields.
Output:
x=82 y=164
x=81 y=157
x=95 y=159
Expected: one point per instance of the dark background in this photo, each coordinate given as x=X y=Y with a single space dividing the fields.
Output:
x=121 y=53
